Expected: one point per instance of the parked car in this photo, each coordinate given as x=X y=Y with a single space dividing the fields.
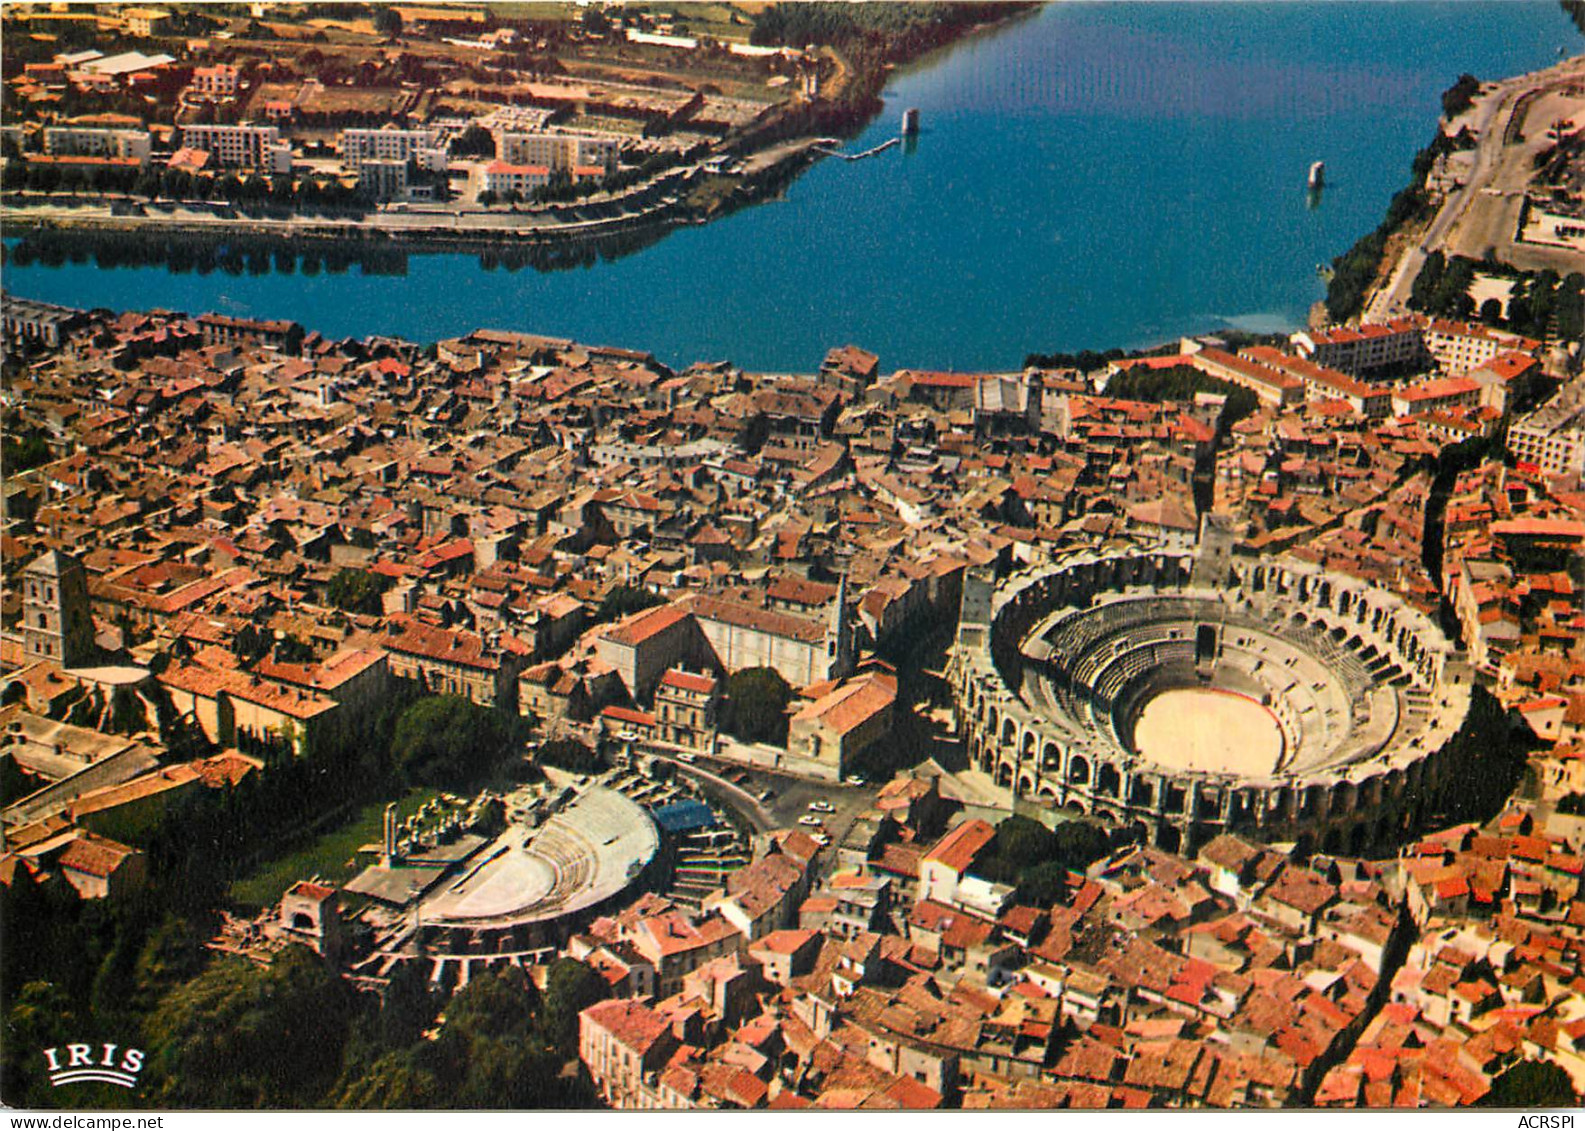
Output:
x=822 y=807
x=811 y=820
x=820 y=838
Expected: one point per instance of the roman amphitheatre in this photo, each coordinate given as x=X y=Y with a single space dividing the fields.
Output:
x=1177 y=697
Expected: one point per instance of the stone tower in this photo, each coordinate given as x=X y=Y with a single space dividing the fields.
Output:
x=839 y=634
x=56 y=624
x=1213 y=556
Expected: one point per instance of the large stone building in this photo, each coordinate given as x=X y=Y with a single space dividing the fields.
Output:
x=727 y=634
x=839 y=725
x=1346 y=699
x=803 y=650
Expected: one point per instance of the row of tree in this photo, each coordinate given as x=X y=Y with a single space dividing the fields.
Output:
x=1181 y=383
x=1541 y=305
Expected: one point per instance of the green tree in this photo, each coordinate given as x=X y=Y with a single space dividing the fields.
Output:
x=443 y=739
x=570 y=988
x=21 y=453
x=569 y=754
x=1427 y=281
x=356 y=590
x=172 y=955
x=1458 y=97
x=395 y=1082
x=1036 y=860
x=245 y=1036
x=756 y=705
x=387 y=21
x=624 y=600
x=1531 y=1083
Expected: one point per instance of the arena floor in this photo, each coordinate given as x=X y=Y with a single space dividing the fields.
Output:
x=1203 y=729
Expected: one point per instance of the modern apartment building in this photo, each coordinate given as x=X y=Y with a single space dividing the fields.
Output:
x=241 y=147
x=558 y=151
x=1553 y=436
x=420 y=146
x=74 y=141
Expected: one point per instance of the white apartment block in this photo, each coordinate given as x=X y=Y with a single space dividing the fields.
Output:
x=1553 y=437
x=242 y=147
x=558 y=151
x=1352 y=349
x=71 y=141
x=1459 y=347
x=420 y=146
x=221 y=79
x=1455 y=347
x=500 y=177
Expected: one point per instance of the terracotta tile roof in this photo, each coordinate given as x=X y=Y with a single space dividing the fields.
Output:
x=95 y=855
x=642 y=626
x=958 y=848
x=631 y=1024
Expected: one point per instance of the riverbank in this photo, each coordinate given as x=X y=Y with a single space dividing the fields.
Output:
x=1473 y=217
x=1004 y=231
x=668 y=202
x=744 y=170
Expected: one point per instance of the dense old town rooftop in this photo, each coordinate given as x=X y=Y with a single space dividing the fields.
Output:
x=204 y=489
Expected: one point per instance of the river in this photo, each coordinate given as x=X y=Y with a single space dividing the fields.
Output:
x=1092 y=175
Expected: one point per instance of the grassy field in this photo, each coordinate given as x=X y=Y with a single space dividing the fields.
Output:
x=333 y=855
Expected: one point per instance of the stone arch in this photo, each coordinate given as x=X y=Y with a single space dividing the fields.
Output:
x=1026 y=785
x=1009 y=733
x=1332 y=843
x=1168 y=838
x=1078 y=770
x=1048 y=790
x=1004 y=775
x=1108 y=782
x=1051 y=757
x=1314 y=801
x=1027 y=752
x=1141 y=791
x=1342 y=798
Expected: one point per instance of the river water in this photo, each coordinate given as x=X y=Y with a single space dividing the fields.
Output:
x=1093 y=175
